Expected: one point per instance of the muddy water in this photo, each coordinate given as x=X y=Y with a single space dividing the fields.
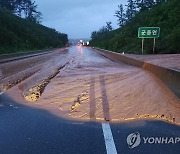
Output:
x=93 y=87
x=14 y=72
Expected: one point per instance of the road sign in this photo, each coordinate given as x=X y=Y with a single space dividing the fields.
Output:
x=148 y=32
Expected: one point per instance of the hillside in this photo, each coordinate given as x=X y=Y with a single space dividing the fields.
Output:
x=17 y=34
x=165 y=15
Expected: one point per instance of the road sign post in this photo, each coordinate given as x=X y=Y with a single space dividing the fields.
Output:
x=154 y=44
x=148 y=32
x=142 y=44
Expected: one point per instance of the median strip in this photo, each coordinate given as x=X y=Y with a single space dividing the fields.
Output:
x=33 y=93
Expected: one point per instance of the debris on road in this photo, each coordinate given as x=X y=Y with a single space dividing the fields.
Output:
x=11 y=83
x=92 y=87
x=34 y=93
x=80 y=99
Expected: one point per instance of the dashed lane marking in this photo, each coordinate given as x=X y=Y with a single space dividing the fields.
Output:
x=108 y=137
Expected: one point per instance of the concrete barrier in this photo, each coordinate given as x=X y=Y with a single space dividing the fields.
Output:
x=170 y=77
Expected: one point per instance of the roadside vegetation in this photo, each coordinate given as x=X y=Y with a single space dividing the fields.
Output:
x=21 y=31
x=147 y=13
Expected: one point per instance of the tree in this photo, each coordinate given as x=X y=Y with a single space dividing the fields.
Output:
x=160 y=1
x=131 y=10
x=18 y=7
x=38 y=17
x=145 y=4
x=25 y=8
x=120 y=15
x=8 y=4
x=31 y=12
x=93 y=34
x=103 y=29
x=108 y=26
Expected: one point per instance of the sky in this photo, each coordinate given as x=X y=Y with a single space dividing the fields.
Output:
x=78 y=18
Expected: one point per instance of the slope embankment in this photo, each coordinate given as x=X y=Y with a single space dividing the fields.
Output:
x=125 y=39
x=20 y=35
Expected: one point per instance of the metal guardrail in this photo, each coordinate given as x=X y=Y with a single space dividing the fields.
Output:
x=22 y=55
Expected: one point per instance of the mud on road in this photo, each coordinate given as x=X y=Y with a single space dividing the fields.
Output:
x=92 y=87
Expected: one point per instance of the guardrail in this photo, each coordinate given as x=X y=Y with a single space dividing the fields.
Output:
x=22 y=55
x=170 y=77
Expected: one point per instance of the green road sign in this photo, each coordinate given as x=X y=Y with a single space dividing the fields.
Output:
x=148 y=32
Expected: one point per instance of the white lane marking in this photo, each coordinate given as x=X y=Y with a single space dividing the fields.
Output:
x=108 y=137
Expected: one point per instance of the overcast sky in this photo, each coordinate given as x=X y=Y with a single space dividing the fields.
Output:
x=78 y=18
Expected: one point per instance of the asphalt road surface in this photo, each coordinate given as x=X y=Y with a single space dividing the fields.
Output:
x=28 y=130
x=25 y=129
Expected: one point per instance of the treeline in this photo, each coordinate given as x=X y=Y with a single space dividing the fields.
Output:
x=142 y=13
x=17 y=34
x=23 y=8
x=132 y=8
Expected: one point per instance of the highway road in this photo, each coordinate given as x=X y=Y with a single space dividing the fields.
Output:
x=29 y=130
x=36 y=127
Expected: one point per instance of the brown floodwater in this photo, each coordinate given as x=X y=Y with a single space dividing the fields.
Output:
x=92 y=87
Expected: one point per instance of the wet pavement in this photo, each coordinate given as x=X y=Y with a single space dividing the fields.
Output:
x=28 y=130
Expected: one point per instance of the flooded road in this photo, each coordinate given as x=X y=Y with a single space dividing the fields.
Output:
x=82 y=90
x=92 y=87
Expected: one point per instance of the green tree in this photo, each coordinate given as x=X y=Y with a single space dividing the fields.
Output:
x=145 y=4
x=8 y=4
x=131 y=10
x=109 y=26
x=124 y=39
x=31 y=12
x=160 y=1
x=93 y=34
x=103 y=29
x=17 y=34
x=120 y=15
x=26 y=8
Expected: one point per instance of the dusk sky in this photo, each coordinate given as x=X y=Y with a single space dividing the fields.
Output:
x=78 y=18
